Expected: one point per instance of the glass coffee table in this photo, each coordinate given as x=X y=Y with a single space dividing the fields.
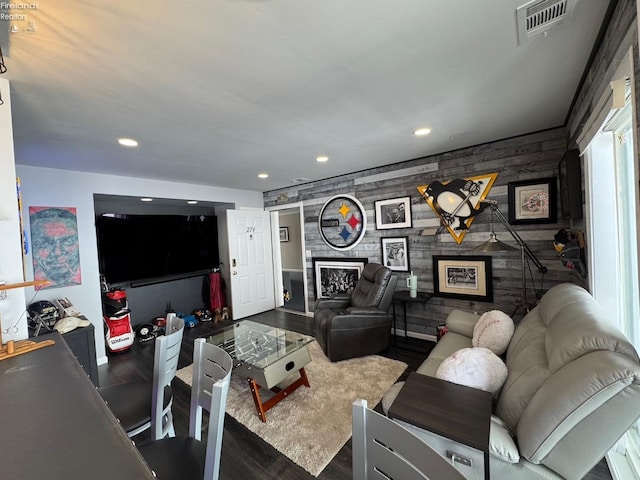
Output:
x=265 y=356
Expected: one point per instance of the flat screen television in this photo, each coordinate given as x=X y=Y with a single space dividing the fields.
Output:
x=148 y=248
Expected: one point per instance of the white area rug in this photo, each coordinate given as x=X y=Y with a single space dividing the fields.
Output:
x=312 y=424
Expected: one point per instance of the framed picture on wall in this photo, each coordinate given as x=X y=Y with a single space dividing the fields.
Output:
x=284 y=234
x=336 y=276
x=393 y=213
x=532 y=201
x=55 y=247
x=464 y=277
x=395 y=253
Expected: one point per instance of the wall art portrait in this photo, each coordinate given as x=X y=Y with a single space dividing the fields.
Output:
x=395 y=253
x=336 y=276
x=54 y=246
x=458 y=201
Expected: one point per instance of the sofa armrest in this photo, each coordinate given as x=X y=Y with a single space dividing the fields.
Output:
x=462 y=322
x=365 y=311
x=334 y=302
x=349 y=322
x=501 y=444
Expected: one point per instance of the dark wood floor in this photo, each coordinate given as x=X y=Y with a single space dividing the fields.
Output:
x=245 y=455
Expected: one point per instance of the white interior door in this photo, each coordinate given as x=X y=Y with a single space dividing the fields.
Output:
x=296 y=237
x=250 y=262
x=277 y=259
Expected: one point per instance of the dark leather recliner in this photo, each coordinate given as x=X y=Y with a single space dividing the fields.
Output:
x=349 y=326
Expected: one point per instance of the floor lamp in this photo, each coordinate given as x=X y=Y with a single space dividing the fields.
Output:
x=495 y=245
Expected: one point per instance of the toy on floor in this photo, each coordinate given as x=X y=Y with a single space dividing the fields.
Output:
x=202 y=314
x=145 y=332
x=190 y=321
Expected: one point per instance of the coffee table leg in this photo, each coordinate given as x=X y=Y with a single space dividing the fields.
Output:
x=262 y=407
x=303 y=377
x=255 y=393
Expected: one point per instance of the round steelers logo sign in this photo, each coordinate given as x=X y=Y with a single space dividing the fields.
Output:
x=342 y=222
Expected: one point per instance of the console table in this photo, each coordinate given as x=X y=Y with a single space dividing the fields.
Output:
x=56 y=426
x=404 y=297
x=453 y=419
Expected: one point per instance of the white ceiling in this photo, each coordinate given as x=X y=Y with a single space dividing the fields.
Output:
x=217 y=91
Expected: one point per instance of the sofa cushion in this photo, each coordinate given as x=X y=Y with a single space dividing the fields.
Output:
x=451 y=342
x=578 y=325
x=474 y=367
x=493 y=331
x=528 y=368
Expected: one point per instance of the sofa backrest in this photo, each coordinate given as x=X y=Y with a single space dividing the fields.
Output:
x=574 y=381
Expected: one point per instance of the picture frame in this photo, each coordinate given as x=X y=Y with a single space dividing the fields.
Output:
x=284 y=234
x=336 y=276
x=393 y=213
x=395 y=253
x=533 y=201
x=463 y=277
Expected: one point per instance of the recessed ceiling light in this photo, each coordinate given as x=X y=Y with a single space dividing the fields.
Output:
x=322 y=158
x=192 y=202
x=146 y=199
x=263 y=175
x=128 y=142
x=419 y=132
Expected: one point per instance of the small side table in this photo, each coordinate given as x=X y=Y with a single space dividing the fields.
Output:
x=404 y=297
x=453 y=419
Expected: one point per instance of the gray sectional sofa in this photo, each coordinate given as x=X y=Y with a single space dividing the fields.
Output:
x=572 y=389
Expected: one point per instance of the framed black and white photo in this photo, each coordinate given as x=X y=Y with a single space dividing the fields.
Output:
x=464 y=277
x=395 y=253
x=532 y=201
x=393 y=213
x=284 y=234
x=336 y=276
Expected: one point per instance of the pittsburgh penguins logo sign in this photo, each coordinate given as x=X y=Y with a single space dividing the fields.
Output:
x=458 y=201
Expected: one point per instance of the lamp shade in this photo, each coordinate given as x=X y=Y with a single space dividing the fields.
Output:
x=493 y=245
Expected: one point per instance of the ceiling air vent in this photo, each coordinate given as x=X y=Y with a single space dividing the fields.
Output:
x=301 y=180
x=538 y=17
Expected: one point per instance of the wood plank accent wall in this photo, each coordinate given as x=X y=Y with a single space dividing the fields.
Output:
x=620 y=34
x=526 y=157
